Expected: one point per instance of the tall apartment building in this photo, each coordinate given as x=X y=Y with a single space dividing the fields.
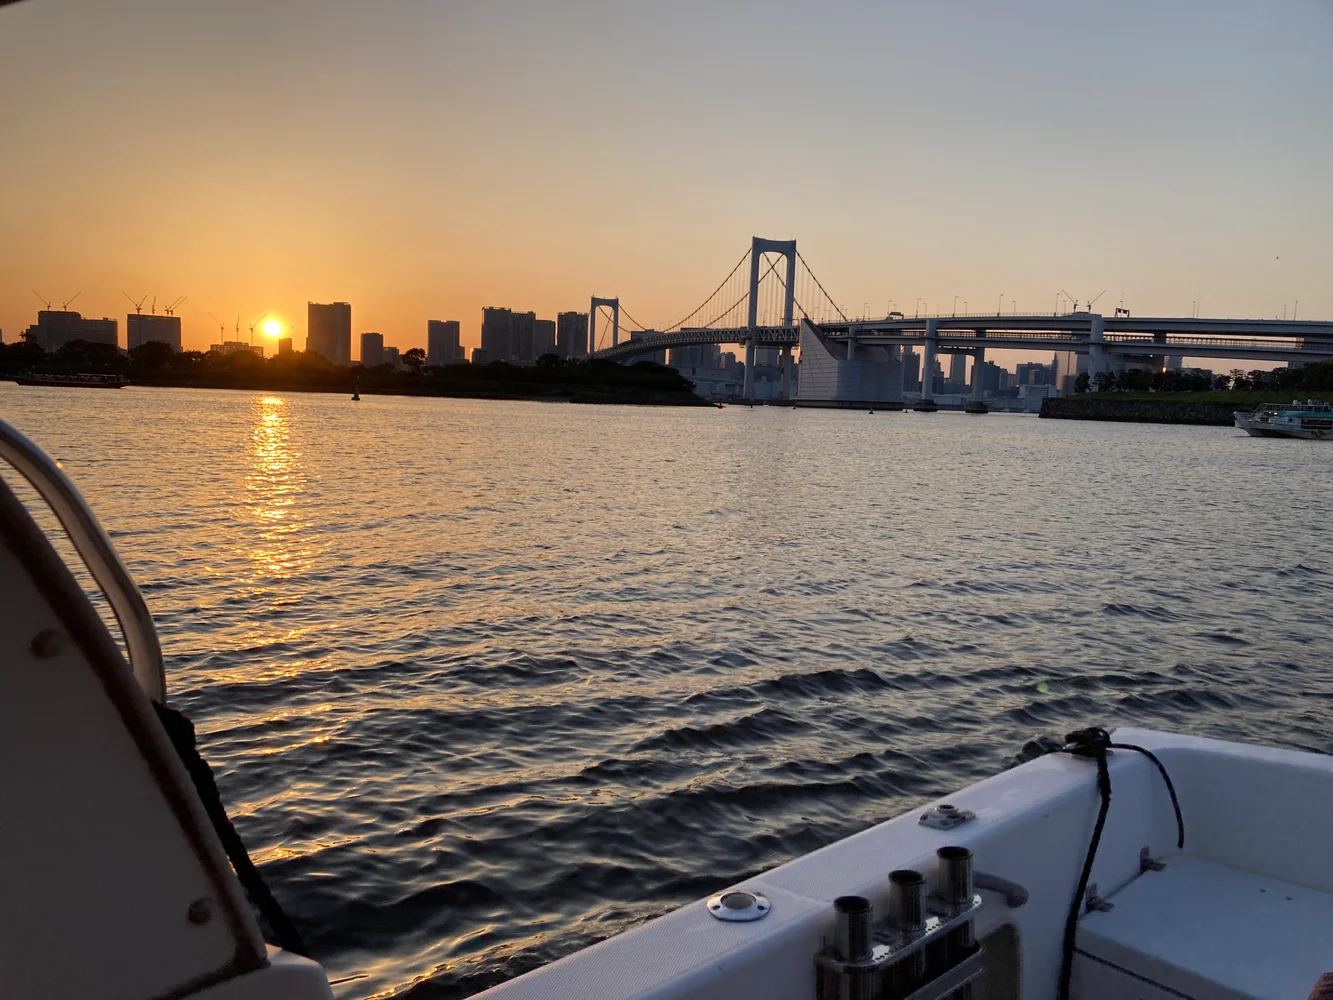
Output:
x=521 y=344
x=496 y=333
x=140 y=329
x=372 y=349
x=442 y=345
x=57 y=327
x=571 y=334
x=285 y=345
x=958 y=368
x=543 y=338
x=911 y=370
x=329 y=331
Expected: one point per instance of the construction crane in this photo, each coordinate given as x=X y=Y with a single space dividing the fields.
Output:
x=138 y=306
x=65 y=305
x=175 y=304
x=222 y=327
x=42 y=299
x=253 y=325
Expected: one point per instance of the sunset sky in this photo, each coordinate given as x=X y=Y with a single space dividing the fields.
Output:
x=424 y=159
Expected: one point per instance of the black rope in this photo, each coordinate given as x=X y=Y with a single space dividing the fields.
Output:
x=181 y=731
x=1093 y=744
x=1171 y=789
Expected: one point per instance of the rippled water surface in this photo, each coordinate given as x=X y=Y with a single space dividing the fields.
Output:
x=484 y=682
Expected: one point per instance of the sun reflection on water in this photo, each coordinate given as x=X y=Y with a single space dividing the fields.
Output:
x=273 y=486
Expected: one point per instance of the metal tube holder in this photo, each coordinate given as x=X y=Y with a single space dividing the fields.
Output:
x=896 y=963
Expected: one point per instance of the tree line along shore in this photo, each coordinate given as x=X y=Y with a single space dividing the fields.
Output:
x=1187 y=397
x=552 y=377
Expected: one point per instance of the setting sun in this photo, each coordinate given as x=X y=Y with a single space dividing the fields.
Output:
x=272 y=327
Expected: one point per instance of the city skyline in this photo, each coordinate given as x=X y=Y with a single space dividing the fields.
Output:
x=1171 y=172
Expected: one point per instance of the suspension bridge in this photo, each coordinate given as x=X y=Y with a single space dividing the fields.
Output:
x=862 y=360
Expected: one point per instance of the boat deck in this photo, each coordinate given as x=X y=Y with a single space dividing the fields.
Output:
x=1206 y=931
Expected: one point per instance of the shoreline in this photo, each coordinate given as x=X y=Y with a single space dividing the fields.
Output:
x=1199 y=410
x=590 y=397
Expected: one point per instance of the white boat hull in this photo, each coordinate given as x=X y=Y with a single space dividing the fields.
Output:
x=1253 y=818
x=1265 y=428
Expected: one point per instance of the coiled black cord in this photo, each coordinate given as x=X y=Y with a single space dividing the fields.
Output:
x=1093 y=744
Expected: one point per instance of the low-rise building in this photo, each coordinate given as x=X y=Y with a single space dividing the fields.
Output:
x=57 y=327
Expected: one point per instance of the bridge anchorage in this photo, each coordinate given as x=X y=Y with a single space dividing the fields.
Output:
x=856 y=362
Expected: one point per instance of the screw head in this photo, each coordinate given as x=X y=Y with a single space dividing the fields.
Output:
x=46 y=644
x=200 y=911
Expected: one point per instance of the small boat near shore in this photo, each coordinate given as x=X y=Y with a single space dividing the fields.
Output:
x=1312 y=419
x=75 y=381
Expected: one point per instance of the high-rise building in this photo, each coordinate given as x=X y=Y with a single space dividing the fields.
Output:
x=521 y=343
x=329 y=331
x=57 y=327
x=543 y=338
x=497 y=327
x=140 y=329
x=481 y=356
x=1035 y=374
x=285 y=345
x=391 y=357
x=372 y=349
x=911 y=370
x=442 y=346
x=571 y=334
x=958 y=369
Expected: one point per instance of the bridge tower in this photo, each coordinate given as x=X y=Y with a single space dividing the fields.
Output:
x=614 y=306
x=758 y=247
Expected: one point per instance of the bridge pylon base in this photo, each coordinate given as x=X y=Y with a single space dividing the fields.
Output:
x=976 y=406
x=925 y=406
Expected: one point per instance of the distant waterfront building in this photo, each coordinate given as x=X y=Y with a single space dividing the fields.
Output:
x=372 y=349
x=235 y=347
x=285 y=345
x=522 y=333
x=656 y=356
x=391 y=357
x=911 y=371
x=957 y=369
x=496 y=334
x=571 y=334
x=57 y=327
x=1035 y=373
x=696 y=356
x=481 y=356
x=140 y=329
x=329 y=331
x=543 y=338
x=442 y=345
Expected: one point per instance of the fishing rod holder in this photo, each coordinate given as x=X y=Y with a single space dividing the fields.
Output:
x=926 y=948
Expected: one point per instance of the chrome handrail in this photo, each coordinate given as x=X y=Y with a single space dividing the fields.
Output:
x=95 y=549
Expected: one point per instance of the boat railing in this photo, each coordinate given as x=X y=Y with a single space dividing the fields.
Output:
x=95 y=549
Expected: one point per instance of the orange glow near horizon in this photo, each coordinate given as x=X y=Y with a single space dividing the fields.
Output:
x=272 y=327
x=423 y=161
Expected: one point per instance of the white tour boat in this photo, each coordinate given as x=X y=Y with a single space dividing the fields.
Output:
x=1312 y=419
x=1140 y=865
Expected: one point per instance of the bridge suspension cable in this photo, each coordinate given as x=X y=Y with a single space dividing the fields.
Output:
x=820 y=286
x=680 y=323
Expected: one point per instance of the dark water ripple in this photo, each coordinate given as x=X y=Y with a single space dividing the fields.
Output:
x=486 y=682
